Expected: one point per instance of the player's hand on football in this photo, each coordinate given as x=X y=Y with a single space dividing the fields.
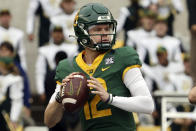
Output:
x=68 y=78
x=99 y=89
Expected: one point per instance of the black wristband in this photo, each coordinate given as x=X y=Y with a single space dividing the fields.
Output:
x=58 y=98
x=111 y=99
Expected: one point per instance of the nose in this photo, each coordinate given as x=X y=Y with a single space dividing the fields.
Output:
x=105 y=37
x=103 y=32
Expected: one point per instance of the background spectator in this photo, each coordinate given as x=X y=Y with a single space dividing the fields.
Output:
x=66 y=18
x=44 y=9
x=46 y=60
x=11 y=94
x=13 y=35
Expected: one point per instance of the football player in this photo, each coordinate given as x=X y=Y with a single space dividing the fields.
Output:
x=12 y=35
x=118 y=86
x=65 y=19
x=44 y=9
x=147 y=18
x=46 y=60
x=11 y=95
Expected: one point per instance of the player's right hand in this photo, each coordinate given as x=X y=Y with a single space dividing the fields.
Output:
x=67 y=78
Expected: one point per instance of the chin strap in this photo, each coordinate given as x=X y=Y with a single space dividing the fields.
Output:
x=73 y=36
x=103 y=47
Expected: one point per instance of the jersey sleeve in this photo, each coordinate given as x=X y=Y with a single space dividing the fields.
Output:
x=58 y=76
x=63 y=69
x=130 y=59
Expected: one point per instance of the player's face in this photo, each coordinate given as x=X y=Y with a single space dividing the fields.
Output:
x=162 y=57
x=68 y=6
x=147 y=23
x=4 y=52
x=101 y=33
x=58 y=37
x=5 y=20
x=161 y=29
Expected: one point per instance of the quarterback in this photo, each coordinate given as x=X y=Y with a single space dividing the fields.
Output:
x=118 y=88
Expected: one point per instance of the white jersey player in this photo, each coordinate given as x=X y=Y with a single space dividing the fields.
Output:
x=11 y=93
x=50 y=8
x=15 y=85
x=161 y=71
x=183 y=81
x=145 y=31
x=46 y=56
x=13 y=35
x=150 y=45
x=66 y=19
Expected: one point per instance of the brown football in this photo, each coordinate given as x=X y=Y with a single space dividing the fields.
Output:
x=75 y=93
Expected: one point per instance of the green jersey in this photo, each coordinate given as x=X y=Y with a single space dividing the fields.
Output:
x=109 y=69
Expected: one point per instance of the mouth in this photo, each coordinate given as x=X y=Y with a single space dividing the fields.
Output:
x=105 y=41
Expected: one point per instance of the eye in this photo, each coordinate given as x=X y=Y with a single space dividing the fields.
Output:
x=107 y=29
x=97 y=29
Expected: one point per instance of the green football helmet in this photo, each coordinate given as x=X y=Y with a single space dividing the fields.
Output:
x=88 y=16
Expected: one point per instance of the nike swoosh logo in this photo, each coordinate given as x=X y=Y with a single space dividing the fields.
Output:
x=103 y=69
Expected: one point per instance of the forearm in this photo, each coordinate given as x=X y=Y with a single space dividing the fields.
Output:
x=140 y=96
x=134 y=104
x=33 y=6
x=40 y=72
x=16 y=94
x=16 y=109
x=53 y=113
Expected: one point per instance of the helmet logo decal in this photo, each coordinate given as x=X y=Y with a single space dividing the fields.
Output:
x=103 y=18
x=76 y=19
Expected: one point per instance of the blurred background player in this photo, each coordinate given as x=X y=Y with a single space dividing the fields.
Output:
x=172 y=44
x=44 y=9
x=65 y=19
x=129 y=16
x=11 y=95
x=162 y=69
x=145 y=30
x=13 y=35
x=7 y=50
x=167 y=9
x=170 y=81
x=183 y=84
x=46 y=60
x=149 y=45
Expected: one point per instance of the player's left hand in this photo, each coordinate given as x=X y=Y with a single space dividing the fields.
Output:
x=94 y=83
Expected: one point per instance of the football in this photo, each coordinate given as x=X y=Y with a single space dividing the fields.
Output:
x=75 y=93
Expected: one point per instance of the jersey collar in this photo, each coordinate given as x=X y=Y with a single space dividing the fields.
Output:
x=89 y=69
